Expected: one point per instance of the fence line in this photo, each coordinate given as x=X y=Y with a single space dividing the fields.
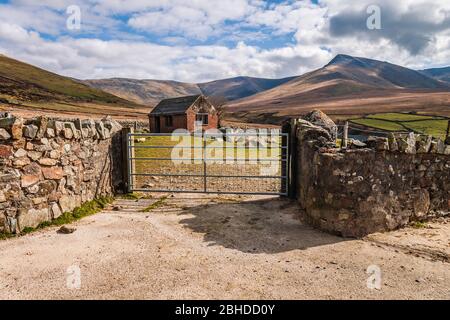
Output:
x=385 y=132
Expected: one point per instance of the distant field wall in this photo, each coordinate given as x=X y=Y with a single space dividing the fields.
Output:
x=137 y=125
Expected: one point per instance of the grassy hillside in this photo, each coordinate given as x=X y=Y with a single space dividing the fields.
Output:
x=150 y=92
x=28 y=81
x=239 y=87
x=146 y=92
x=382 y=74
x=442 y=74
x=27 y=88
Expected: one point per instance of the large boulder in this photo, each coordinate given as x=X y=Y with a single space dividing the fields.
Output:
x=320 y=119
x=319 y=136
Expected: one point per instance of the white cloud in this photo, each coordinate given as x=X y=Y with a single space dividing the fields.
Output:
x=414 y=33
x=198 y=19
x=39 y=19
x=94 y=58
x=15 y=34
x=188 y=21
x=290 y=17
x=319 y=31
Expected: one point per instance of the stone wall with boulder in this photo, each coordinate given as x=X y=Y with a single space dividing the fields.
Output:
x=378 y=186
x=137 y=125
x=49 y=166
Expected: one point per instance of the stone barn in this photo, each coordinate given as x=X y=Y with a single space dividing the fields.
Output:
x=192 y=113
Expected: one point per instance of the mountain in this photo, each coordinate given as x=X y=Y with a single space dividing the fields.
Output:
x=348 y=85
x=239 y=87
x=27 y=87
x=150 y=92
x=378 y=74
x=442 y=74
x=345 y=86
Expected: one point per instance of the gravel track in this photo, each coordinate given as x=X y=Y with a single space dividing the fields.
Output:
x=217 y=247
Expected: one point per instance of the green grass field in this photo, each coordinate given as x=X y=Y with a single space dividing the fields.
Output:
x=401 y=117
x=393 y=122
x=436 y=128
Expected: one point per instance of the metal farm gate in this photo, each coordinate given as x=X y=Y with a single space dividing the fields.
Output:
x=246 y=163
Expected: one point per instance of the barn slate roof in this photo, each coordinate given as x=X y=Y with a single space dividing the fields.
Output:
x=174 y=105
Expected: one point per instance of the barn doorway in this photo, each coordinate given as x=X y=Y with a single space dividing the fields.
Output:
x=157 y=124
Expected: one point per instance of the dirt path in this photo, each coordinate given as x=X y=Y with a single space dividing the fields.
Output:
x=221 y=247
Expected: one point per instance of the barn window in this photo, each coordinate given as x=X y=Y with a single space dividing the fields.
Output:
x=202 y=117
x=169 y=121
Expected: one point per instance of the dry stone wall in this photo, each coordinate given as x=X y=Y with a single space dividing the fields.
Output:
x=137 y=125
x=49 y=166
x=379 y=186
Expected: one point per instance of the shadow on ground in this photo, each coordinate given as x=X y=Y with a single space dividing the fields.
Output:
x=259 y=226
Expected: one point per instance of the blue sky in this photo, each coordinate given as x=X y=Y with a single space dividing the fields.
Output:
x=201 y=40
